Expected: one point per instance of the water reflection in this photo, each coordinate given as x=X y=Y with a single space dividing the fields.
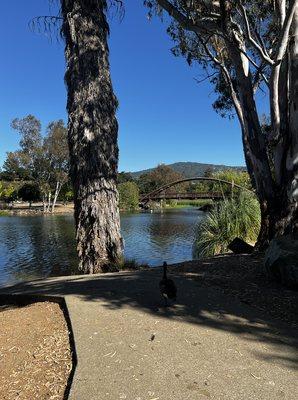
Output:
x=38 y=246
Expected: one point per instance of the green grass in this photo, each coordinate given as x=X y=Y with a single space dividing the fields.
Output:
x=237 y=217
x=188 y=203
x=4 y=213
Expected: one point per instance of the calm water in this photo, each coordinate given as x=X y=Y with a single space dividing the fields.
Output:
x=38 y=246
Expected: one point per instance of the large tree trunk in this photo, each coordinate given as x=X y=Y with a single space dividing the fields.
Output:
x=292 y=159
x=255 y=151
x=92 y=134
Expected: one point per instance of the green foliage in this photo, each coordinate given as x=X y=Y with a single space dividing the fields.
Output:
x=128 y=196
x=29 y=192
x=16 y=166
x=159 y=176
x=4 y=213
x=124 y=177
x=7 y=192
x=67 y=196
x=193 y=203
x=66 y=193
x=237 y=217
x=240 y=178
x=29 y=128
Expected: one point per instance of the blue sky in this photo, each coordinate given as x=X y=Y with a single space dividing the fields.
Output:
x=164 y=115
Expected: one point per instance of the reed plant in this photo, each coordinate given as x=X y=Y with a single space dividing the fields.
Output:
x=236 y=217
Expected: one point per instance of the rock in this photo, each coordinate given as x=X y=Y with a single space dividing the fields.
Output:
x=206 y=207
x=239 y=246
x=281 y=261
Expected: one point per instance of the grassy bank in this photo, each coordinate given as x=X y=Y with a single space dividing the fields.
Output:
x=4 y=213
x=188 y=203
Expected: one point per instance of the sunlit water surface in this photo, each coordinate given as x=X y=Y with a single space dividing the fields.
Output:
x=38 y=246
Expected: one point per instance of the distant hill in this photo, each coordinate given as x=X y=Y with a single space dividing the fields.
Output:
x=190 y=169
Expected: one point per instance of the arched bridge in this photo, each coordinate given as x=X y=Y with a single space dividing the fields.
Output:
x=161 y=194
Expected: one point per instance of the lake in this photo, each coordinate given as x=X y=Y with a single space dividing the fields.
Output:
x=39 y=246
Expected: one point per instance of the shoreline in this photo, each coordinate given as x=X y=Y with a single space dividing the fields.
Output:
x=37 y=210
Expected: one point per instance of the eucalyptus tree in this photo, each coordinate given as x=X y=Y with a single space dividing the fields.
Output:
x=56 y=151
x=246 y=46
x=92 y=133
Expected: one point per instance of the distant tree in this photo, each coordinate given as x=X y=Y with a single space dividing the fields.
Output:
x=66 y=193
x=240 y=178
x=29 y=192
x=29 y=128
x=128 y=195
x=30 y=153
x=124 y=177
x=208 y=172
x=16 y=167
x=56 y=151
x=92 y=133
x=159 y=176
x=42 y=160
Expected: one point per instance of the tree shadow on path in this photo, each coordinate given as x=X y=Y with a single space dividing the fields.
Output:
x=196 y=304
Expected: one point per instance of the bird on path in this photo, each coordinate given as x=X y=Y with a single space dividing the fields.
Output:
x=167 y=286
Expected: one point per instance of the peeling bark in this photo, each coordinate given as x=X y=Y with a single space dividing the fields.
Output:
x=92 y=134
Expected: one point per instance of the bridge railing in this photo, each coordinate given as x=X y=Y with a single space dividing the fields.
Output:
x=154 y=193
x=188 y=196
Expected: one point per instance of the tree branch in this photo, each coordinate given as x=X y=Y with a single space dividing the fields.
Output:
x=262 y=51
x=197 y=27
x=226 y=73
x=283 y=42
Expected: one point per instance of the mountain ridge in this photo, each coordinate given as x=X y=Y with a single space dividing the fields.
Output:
x=190 y=169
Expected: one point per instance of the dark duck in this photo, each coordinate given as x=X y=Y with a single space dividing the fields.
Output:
x=167 y=286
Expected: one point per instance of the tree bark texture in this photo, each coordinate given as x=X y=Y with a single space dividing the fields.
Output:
x=92 y=134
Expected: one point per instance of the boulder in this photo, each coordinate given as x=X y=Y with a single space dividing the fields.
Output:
x=281 y=261
x=239 y=246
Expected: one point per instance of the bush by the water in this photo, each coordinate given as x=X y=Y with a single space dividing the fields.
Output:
x=236 y=217
x=128 y=196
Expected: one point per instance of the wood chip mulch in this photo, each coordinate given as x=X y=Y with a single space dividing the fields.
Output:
x=35 y=354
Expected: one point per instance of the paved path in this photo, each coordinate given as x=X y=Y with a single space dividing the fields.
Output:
x=208 y=346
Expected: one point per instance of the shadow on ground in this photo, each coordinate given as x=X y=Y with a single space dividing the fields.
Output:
x=196 y=304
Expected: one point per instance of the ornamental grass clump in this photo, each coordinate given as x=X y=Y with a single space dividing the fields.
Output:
x=231 y=218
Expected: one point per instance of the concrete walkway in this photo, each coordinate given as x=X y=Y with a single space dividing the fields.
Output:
x=208 y=346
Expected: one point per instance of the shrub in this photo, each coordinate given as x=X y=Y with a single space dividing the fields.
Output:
x=8 y=193
x=128 y=196
x=29 y=192
x=236 y=217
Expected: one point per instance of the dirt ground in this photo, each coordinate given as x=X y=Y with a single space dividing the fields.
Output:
x=37 y=209
x=35 y=355
x=243 y=276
